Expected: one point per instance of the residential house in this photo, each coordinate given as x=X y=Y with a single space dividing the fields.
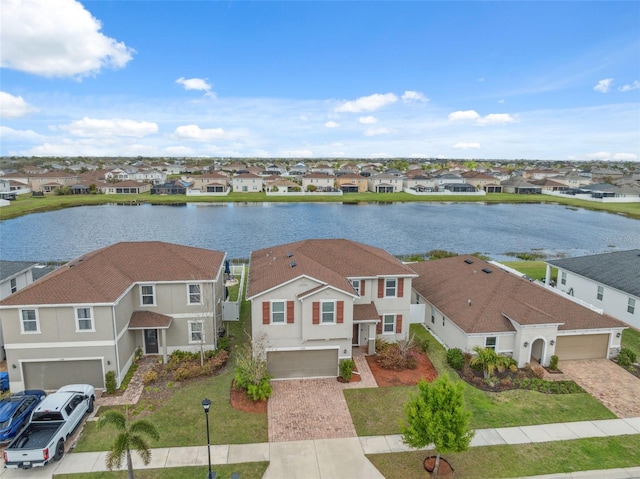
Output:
x=520 y=186
x=421 y=183
x=279 y=184
x=247 y=183
x=352 y=183
x=90 y=316
x=610 y=281
x=314 y=300
x=209 y=182
x=385 y=183
x=457 y=187
x=548 y=185
x=298 y=169
x=470 y=302
x=318 y=182
x=176 y=187
x=324 y=169
x=572 y=179
x=126 y=187
x=478 y=180
x=447 y=178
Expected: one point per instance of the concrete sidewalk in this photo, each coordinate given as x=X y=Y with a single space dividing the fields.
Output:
x=343 y=458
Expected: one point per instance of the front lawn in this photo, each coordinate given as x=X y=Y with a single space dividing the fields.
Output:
x=631 y=340
x=247 y=470
x=380 y=411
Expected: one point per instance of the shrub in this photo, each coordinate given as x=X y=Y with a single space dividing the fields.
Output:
x=381 y=345
x=346 y=368
x=538 y=372
x=149 y=377
x=392 y=358
x=224 y=344
x=251 y=372
x=553 y=364
x=513 y=367
x=260 y=391
x=506 y=383
x=626 y=357
x=440 y=253
x=110 y=382
x=455 y=358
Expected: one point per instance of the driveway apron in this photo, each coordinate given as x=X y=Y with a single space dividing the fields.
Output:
x=610 y=384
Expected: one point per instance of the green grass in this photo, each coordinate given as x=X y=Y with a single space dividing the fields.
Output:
x=247 y=470
x=379 y=411
x=520 y=460
x=533 y=269
x=26 y=204
x=631 y=340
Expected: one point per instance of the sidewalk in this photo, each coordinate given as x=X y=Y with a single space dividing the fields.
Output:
x=344 y=458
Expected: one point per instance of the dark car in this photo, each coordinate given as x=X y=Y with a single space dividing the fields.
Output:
x=15 y=411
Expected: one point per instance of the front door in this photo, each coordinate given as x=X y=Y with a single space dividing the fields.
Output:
x=151 y=341
x=355 y=339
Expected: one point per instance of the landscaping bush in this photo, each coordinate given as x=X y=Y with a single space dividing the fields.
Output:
x=149 y=377
x=537 y=371
x=224 y=344
x=553 y=364
x=455 y=358
x=251 y=372
x=346 y=368
x=392 y=358
x=381 y=345
x=110 y=382
x=626 y=357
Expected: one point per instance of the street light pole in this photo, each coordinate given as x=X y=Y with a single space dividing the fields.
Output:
x=206 y=404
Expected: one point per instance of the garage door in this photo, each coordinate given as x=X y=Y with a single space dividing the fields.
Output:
x=54 y=374
x=588 y=346
x=302 y=364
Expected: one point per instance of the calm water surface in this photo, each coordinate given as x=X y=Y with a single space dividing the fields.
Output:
x=399 y=228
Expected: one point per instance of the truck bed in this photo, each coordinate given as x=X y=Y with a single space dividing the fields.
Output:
x=35 y=436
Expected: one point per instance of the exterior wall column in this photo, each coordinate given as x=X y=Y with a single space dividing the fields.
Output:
x=547 y=276
x=163 y=334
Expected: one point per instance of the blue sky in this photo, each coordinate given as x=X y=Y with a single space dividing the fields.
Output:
x=510 y=79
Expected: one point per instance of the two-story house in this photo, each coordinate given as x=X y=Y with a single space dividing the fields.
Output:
x=314 y=300
x=247 y=183
x=91 y=315
x=318 y=182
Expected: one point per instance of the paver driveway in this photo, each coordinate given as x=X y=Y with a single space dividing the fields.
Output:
x=614 y=387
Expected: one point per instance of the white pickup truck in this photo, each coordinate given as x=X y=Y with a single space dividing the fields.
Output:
x=52 y=423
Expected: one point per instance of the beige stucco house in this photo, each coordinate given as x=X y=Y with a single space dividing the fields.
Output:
x=470 y=302
x=352 y=183
x=92 y=314
x=314 y=300
x=247 y=183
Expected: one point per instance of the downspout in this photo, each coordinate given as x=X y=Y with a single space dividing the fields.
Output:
x=115 y=338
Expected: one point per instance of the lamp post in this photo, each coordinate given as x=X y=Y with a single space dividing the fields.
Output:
x=206 y=404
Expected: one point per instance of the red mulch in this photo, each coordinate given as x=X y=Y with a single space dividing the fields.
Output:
x=240 y=401
x=445 y=470
x=405 y=377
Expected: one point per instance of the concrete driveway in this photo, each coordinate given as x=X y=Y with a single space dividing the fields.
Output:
x=610 y=384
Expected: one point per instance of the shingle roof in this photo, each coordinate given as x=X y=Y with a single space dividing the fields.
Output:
x=330 y=261
x=480 y=302
x=618 y=269
x=149 y=319
x=102 y=276
x=11 y=268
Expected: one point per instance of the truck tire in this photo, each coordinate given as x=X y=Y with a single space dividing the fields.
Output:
x=59 y=450
x=90 y=408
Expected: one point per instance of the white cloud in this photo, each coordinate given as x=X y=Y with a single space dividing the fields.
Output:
x=93 y=127
x=633 y=86
x=625 y=157
x=496 y=119
x=198 y=84
x=297 y=153
x=473 y=145
x=367 y=103
x=600 y=155
x=194 y=132
x=463 y=115
x=603 y=86
x=368 y=120
x=56 y=39
x=9 y=134
x=178 y=151
x=413 y=96
x=376 y=131
x=331 y=124
x=13 y=106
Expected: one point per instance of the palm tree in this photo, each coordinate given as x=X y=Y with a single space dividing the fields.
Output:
x=131 y=436
x=489 y=360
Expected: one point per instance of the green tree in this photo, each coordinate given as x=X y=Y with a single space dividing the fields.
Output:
x=437 y=415
x=489 y=360
x=130 y=436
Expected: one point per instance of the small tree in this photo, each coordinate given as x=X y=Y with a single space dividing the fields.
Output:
x=437 y=415
x=489 y=360
x=131 y=436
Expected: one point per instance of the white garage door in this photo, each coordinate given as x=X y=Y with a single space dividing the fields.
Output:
x=302 y=364
x=55 y=374
x=586 y=346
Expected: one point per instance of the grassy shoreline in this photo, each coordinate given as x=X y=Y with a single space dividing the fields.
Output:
x=28 y=205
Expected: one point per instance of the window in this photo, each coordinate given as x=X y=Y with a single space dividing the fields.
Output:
x=563 y=277
x=390 y=287
x=30 y=321
x=433 y=315
x=631 y=306
x=195 y=294
x=84 y=319
x=389 y=323
x=147 y=294
x=600 y=293
x=328 y=312
x=196 y=332
x=490 y=342
x=356 y=285
x=14 y=285
x=277 y=312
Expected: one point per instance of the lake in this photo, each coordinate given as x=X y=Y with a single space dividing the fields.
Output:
x=399 y=228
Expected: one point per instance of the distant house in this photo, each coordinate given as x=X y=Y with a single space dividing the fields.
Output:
x=324 y=169
x=247 y=183
x=352 y=183
x=126 y=188
x=210 y=182
x=457 y=188
x=610 y=281
x=319 y=181
x=176 y=187
x=91 y=315
x=385 y=183
x=520 y=186
x=469 y=302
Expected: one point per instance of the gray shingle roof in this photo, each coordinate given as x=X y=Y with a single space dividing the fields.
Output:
x=618 y=269
x=11 y=268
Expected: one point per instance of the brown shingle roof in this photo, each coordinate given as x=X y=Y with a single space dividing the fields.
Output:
x=449 y=284
x=102 y=276
x=330 y=261
x=149 y=319
x=363 y=312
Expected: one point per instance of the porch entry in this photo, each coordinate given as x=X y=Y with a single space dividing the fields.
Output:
x=151 y=341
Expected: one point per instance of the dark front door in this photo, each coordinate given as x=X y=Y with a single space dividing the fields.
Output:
x=151 y=341
x=355 y=339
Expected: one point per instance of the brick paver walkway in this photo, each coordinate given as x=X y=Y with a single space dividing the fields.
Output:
x=134 y=389
x=614 y=387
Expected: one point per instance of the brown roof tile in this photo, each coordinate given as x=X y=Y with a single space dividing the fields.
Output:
x=363 y=312
x=149 y=319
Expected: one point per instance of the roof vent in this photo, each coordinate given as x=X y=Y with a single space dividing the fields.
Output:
x=486 y=270
x=292 y=264
x=468 y=261
x=289 y=255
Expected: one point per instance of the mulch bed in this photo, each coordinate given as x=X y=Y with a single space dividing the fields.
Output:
x=405 y=377
x=240 y=401
x=444 y=468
